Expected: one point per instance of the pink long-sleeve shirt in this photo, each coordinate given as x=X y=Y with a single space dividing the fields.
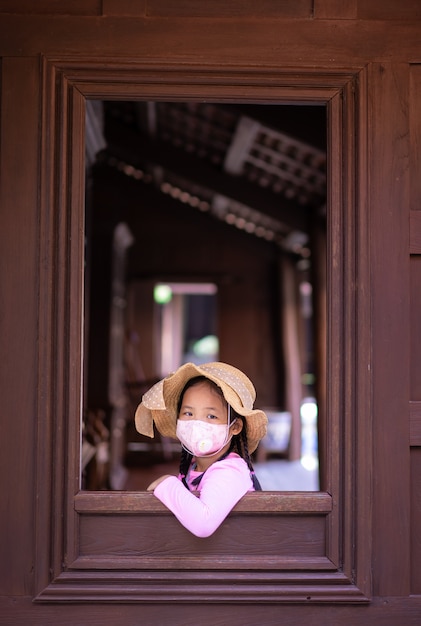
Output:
x=223 y=484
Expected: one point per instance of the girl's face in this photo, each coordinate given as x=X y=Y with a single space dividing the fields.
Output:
x=204 y=403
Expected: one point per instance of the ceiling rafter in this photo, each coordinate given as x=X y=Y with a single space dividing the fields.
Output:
x=140 y=150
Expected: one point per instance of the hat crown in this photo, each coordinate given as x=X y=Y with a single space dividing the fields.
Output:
x=235 y=379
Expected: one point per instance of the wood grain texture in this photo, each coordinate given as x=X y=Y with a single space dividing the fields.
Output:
x=230 y=8
x=415 y=423
x=335 y=9
x=415 y=227
x=389 y=10
x=415 y=154
x=255 y=42
x=415 y=328
x=162 y=537
x=19 y=217
x=51 y=7
x=416 y=514
x=259 y=502
x=389 y=199
x=380 y=612
x=135 y=8
x=386 y=43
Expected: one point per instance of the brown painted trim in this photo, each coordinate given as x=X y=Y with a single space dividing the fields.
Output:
x=200 y=563
x=181 y=587
x=229 y=8
x=389 y=611
x=415 y=232
x=388 y=192
x=50 y=7
x=336 y=9
x=415 y=423
x=264 y=501
x=19 y=234
x=259 y=42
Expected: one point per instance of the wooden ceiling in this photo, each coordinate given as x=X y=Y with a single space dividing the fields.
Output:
x=259 y=168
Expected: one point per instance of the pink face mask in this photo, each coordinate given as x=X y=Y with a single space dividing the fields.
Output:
x=201 y=438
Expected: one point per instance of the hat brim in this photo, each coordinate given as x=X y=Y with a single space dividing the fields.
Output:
x=160 y=404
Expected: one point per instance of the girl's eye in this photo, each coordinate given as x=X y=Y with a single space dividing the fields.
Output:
x=186 y=413
x=211 y=416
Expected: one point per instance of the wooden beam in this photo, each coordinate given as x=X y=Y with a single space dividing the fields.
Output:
x=139 y=150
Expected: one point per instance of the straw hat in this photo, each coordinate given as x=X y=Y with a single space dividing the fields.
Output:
x=159 y=404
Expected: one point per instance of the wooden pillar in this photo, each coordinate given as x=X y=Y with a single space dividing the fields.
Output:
x=291 y=347
x=319 y=278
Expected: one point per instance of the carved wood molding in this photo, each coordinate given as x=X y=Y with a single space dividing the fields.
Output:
x=76 y=532
x=263 y=501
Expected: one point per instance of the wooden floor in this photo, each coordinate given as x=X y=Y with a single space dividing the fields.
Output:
x=274 y=475
x=138 y=479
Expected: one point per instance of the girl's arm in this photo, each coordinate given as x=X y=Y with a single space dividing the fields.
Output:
x=222 y=486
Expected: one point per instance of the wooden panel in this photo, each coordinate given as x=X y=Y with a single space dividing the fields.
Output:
x=416 y=520
x=52 y=7
x=264 y=502
x=381 y=612
x=415 y=326
x=256 y=42
x=415 y=227
x=415 y=148
x=118 y=537
x=415 y=423
x=389 y=10
x=415 y=248
x=388 y=190
x=18 y=279
x=124 y=7
x=229 y=8
x=335 y=9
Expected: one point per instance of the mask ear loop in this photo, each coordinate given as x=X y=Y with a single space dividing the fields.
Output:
x=229 y=417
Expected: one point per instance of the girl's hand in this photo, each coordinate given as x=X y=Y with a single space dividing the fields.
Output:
x=156 y=482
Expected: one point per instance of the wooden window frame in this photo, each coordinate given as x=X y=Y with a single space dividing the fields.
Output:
x=77 y=558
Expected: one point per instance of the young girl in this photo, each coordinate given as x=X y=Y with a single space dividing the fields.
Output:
x=209 y=408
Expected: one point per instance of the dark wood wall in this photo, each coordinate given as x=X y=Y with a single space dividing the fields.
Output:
x=175 y=242
x=349 y=554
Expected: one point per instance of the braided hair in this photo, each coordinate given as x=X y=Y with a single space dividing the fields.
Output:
x=240 y=446
x=238 y=442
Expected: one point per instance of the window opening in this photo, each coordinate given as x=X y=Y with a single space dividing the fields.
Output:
x=223 y=208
